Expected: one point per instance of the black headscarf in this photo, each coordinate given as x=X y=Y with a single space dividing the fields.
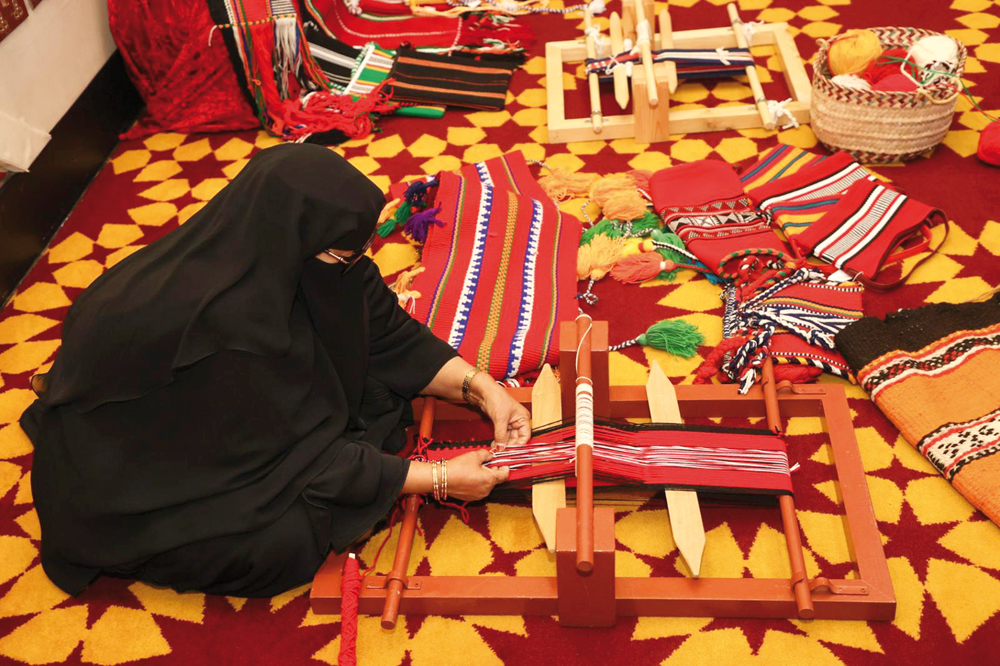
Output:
x=224 y=280
x=209 y=388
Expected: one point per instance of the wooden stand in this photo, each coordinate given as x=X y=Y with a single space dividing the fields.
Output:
x=594 y=595
x=651 y=123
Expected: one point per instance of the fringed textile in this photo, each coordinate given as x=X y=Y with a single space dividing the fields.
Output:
x=500 y=268
x=935 y=372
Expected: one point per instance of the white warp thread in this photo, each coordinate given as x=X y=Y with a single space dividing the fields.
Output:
x=778 y=110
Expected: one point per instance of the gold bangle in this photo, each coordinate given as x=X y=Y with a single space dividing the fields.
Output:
x=434 y=480
x=467 y=385
x=444 y=479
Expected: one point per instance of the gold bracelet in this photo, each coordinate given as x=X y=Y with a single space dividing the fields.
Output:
x=434 y=480
x=444 y=479
x=467 y=385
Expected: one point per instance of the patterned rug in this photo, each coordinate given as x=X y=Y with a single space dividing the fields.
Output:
x=944 y=557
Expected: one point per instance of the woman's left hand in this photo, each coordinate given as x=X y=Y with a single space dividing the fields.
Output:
x=511 y=421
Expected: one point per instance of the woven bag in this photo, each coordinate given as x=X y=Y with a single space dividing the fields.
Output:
x=876 y=126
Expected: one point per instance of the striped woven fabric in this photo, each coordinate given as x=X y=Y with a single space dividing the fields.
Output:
x=935 y=372
x=452 y=81
x=780 y=161
x=868 y=223
x=795 y=320
x=795 y=198
x=691 y=63
x=500 y=272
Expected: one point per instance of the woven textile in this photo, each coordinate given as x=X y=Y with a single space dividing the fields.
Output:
x=935 y=372
x=455 y=81
x=861 y=230
x=691 y=63
x=500 y=272
x=780 y=161
x=795 y=320
x=704 y=203
x=796 y=198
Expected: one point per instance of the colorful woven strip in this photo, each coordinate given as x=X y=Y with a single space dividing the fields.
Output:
x=935 y=372
x=795 y=198
x=498 y=277
x=778 y=162
x=452 y=81
x=691 y=63
x=707 y=458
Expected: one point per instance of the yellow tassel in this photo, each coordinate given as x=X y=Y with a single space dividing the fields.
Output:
x=594 y=260
x=853 y=51
x=618 y=197
x=562 y=184
x=402 y=287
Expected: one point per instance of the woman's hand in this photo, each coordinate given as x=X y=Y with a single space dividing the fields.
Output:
x=469 y=479
x=511 y=421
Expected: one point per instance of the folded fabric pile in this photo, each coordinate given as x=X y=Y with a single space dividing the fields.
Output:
x=498 y=266
x=935 y=372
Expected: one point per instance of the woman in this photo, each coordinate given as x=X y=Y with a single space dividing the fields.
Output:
x=216 y=416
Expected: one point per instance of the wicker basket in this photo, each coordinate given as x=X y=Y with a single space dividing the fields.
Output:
x=876 y=126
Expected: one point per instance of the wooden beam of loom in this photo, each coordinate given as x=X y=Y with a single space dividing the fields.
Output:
x=547 y=498
x=680 y=121
x=682 y=505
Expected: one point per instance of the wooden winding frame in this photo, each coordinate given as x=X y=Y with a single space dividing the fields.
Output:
x=596 y=597
x=652 y=124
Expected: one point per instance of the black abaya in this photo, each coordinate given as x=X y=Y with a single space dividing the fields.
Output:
x=216 y=416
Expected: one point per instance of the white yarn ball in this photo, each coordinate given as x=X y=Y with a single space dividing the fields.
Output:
x=937 y=52
x=851 y=81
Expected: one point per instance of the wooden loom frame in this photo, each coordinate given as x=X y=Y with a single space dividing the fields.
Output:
x=649 y=124
x=597 y=598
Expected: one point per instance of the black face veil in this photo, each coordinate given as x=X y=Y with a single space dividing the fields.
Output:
x=225 y=280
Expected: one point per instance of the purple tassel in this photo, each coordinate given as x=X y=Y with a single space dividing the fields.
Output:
x=419 y=224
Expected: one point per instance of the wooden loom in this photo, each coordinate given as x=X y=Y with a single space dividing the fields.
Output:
x=652 y=120
x=585 y=590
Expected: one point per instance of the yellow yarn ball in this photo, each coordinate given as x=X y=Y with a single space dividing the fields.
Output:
x=853 y=51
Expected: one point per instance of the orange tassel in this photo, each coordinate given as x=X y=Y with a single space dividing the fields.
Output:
x=594 y=260
x=562 y=184
x=636 y=268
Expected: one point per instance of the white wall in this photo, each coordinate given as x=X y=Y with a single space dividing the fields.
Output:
x=44 y=66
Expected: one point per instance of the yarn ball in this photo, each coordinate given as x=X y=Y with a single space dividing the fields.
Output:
x=884 y=66
x=896 y=83
x=989 y=144
x=851 y=81
x=937 y=52
x=853 y=51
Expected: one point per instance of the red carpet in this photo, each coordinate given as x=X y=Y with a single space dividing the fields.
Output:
x=944 y=557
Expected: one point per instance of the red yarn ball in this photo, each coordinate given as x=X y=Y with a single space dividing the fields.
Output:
x=895 y=83
x=882 y=66
x=989 y=144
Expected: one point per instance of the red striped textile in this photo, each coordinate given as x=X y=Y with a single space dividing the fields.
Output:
x=500 y=272
x=864 y=227
x=795 y=199
x=708 y=458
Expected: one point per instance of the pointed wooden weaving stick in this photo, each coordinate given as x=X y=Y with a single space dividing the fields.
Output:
x=667 y=42
x=596 y=117
x=644 y=40
x=758 y=92
x=619 y=73
x=548 y=497
x=682 y=505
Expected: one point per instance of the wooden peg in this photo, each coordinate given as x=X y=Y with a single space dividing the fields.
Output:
x=644 y=40
x=548 y=497
x=682 y=505
x=758 y=92
x=619 y=73
x=596 y=117
x=628 y=20
x=667 y=42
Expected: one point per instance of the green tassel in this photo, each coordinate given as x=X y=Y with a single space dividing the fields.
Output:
x=646 y=224
x=674 y=336
x=402 y=215
x=604 y=227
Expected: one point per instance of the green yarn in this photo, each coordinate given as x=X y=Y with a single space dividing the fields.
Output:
x=643 y=226
x=402 y=215
x=674 y=336
x=605 y=227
